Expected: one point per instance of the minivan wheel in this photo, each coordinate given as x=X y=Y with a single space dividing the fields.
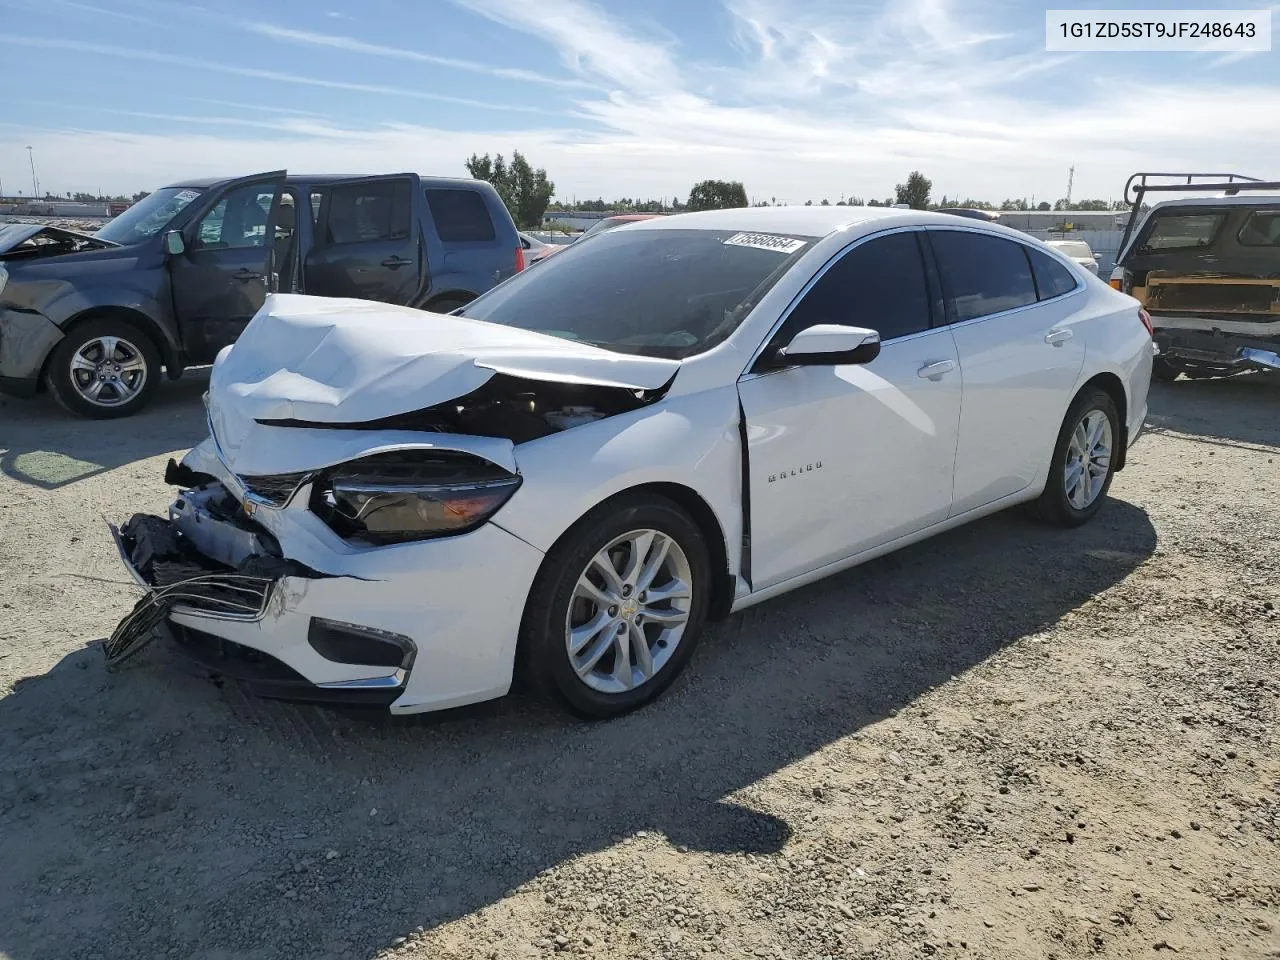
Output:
x=103 y=369
x=1084 y=460
x=616 y=610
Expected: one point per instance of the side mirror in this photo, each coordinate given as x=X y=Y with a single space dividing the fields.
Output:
x=174 y=245
x=830 y=344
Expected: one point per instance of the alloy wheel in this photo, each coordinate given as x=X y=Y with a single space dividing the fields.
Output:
x=628 y=611
x=1088 y=459
x=108 y=371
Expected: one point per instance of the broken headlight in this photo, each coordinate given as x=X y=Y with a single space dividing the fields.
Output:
x=410 y=495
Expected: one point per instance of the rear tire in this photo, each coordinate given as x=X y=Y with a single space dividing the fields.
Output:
x=603 y=645
x=103 y=369
x=1084 y=460
x=446 y=305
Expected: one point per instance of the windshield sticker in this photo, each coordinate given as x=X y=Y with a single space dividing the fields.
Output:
x=765 y=241
x=186 y=196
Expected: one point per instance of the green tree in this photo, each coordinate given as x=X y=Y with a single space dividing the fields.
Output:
x=1043 y=205
x=915 y=192
x=717 y=195
x=526 y=192
x=1093 y=205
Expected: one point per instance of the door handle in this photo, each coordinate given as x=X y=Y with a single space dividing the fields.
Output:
x=935 y=370
x=244 y=275
x=1058 y=337
x=395 y=263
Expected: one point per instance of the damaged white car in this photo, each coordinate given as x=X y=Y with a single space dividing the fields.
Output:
x=668 y=422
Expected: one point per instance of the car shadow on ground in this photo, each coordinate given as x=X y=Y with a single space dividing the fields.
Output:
x=148 y=812
x=42 y=445
x=1243 y=409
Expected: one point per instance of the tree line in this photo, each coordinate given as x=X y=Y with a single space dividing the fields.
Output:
x=528 y=192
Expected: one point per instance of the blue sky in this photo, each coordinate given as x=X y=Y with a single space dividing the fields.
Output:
x=799 y=100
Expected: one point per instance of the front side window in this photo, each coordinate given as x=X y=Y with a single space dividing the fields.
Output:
x=1182 y=231
x=149 y=216
x=369 y=212
x=1052 y=278
x=657 y=293
x=1262 y=229
x=238 y=220
x=982 y=274
x=879 y=284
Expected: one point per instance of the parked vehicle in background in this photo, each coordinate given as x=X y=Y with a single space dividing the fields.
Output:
x=608 y=223
x=535 y=250
x=177 y=276
x=673 y=421
x=1208 y=271
x=1078 y=251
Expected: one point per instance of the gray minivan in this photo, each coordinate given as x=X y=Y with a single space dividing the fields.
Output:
x=177 y=276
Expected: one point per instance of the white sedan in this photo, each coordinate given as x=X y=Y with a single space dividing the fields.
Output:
x=567 y=478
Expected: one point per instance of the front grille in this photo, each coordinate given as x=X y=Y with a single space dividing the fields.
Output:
x=276 y=489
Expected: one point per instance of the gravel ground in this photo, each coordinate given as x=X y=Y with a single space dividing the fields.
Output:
x=1008 y=742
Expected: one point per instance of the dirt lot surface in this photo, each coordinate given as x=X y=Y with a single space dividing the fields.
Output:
x=1009 y=742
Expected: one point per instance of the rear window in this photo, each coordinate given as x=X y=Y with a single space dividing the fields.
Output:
x=1262 y=229
x=367 y=212
x=1182 y=231
x=983 y=274
x=461 y=216
x=657 y=293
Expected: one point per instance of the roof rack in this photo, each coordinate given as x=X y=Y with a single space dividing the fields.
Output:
x=1139 y=185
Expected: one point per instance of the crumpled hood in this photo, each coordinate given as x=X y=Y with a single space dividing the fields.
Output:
x=328 y=360
x=13 y=235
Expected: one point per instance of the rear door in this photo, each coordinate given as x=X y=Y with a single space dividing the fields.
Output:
x=367 y=242
x=1020 y=356
x=220 y=280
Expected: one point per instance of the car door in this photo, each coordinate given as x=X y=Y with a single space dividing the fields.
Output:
x=1020 y=354
x=221 y=278
x=367 y=242
x=844 y=458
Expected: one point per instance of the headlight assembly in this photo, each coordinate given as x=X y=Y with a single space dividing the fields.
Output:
x=410 y=495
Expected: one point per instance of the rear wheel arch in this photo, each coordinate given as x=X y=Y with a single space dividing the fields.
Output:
x=1113 y=386
x=457 y=298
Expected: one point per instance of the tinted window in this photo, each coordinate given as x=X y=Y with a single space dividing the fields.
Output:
x=982 y=274
x=1052 y=278
x=461 y=216
x=238 y=220
x=658 y=293
x=366 y=212
x=1262 y=229
x=879 y=284
x=1181 y=231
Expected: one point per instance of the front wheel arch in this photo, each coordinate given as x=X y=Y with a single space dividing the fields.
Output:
x=170 y=356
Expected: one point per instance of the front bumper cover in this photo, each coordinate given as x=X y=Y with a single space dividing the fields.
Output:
x=26 y=338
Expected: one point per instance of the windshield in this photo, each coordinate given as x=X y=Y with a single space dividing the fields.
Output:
x=657 y=293
x=149 y=215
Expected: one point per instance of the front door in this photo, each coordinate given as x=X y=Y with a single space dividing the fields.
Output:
x=1021 y=352
x=844 y=458
x=220 y=280
x=367 y=243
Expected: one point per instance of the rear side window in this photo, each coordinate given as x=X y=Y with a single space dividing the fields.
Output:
x=1182 y=231
x=879 y=284
x=983 y=274
x=1262 y=229
x=371 y=211
x=1052 y=278
x=461 y=216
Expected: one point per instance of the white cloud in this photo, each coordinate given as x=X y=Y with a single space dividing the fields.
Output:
x=359 y=46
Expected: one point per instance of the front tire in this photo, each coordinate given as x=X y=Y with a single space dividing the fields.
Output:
x=616 y=609
x=1084 y=460
x=104 y=369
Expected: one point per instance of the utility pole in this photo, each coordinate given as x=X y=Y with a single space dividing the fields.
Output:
x=1071 y=179
x=35 y=184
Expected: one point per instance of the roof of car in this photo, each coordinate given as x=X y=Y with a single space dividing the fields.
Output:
x=807 y=221
x=1245 y=199
x=323 y=178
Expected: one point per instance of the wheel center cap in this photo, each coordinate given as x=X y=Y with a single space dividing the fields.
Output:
x=628 y=609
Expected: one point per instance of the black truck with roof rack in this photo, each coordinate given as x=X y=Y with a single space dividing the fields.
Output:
x=1207 y=269
x=178 y=275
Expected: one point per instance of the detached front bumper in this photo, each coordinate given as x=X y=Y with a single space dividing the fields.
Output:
x=417 y=627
